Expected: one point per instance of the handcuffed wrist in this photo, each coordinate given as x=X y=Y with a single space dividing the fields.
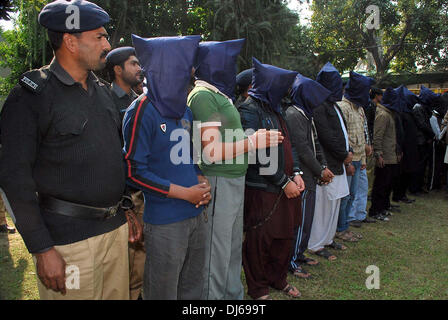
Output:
x=286 y=183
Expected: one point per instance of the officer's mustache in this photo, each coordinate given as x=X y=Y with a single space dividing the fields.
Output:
x=104 y=54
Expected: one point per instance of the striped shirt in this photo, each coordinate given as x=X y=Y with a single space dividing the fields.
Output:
x=356 y=127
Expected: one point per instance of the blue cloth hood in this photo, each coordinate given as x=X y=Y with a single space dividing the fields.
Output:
x=217 y=64
x=428 y=97
x=391 y=100
x=357 y=89
x=270 y=84
x=330 y=78
x=307 y=94
x=167 y=63
x=407 y=99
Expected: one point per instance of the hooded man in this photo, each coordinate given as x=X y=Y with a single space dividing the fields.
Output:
x=173 y=187
x=333 y=138
x=409 y=161
x=386 y=153
x=353 y=207
x=306 y=95
x=223 y=160
x=273 y=187
x=422 y=113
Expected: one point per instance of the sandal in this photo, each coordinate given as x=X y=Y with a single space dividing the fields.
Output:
x=356 y=235
x=309 y=261
x=346 y=236
x=325 y=254
x=337 y=246
x=299 y=272
x=287 y=290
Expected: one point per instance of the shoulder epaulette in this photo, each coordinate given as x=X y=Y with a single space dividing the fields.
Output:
x=35 y=80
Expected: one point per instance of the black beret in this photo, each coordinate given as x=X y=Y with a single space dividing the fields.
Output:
x=119 y=55
x=72 y=16
x=244 y=78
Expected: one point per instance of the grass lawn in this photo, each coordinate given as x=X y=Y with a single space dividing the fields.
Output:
x=411 y=252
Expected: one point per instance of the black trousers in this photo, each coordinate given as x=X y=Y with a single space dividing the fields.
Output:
x=425 y=161
x=401 y=184
x=382 y=188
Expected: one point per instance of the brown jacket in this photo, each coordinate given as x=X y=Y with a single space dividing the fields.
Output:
x=384 y=136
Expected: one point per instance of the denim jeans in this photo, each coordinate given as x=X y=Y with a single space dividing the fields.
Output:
x=358 y=210
x=347 y=202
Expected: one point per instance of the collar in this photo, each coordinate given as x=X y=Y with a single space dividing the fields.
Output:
x=118 y=90
x=66 y=78
x=202 y=83
x=121 y=93
x=380 y=106
x=353 y=105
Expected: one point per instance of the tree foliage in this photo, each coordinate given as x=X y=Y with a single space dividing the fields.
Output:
x=411 y=33
x=6 y=8
x=272 y=31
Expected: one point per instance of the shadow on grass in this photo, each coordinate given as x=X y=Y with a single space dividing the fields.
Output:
x=11 y=277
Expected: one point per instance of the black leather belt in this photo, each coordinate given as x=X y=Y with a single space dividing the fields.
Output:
x=80 y=211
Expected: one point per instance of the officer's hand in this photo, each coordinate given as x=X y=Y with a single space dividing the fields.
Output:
x=135 y=228
x=51 y=270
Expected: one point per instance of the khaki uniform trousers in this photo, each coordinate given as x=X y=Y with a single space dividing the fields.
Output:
x=137 y=253
x=97 y=268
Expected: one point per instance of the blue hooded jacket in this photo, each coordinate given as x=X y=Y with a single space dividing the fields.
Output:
x=330 y=78
x=270 y=84
x=358 y=88
x=307 y=94
x=391 y=100
x=167 y=63
x=407 y=99
x=428 y=97
x=217 y=64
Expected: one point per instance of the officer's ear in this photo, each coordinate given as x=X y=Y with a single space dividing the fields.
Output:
x=70 y=41
x=118 y=70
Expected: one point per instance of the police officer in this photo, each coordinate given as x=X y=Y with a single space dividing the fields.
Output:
x=61 y=166
x=125 y=73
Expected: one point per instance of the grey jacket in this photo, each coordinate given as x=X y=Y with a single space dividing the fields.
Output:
x=304 y=139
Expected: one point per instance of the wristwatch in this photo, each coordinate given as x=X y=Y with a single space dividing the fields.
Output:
x=297 y=173
x=322 y=171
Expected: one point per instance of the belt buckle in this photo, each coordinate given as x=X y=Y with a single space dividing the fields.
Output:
x=111 y=212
